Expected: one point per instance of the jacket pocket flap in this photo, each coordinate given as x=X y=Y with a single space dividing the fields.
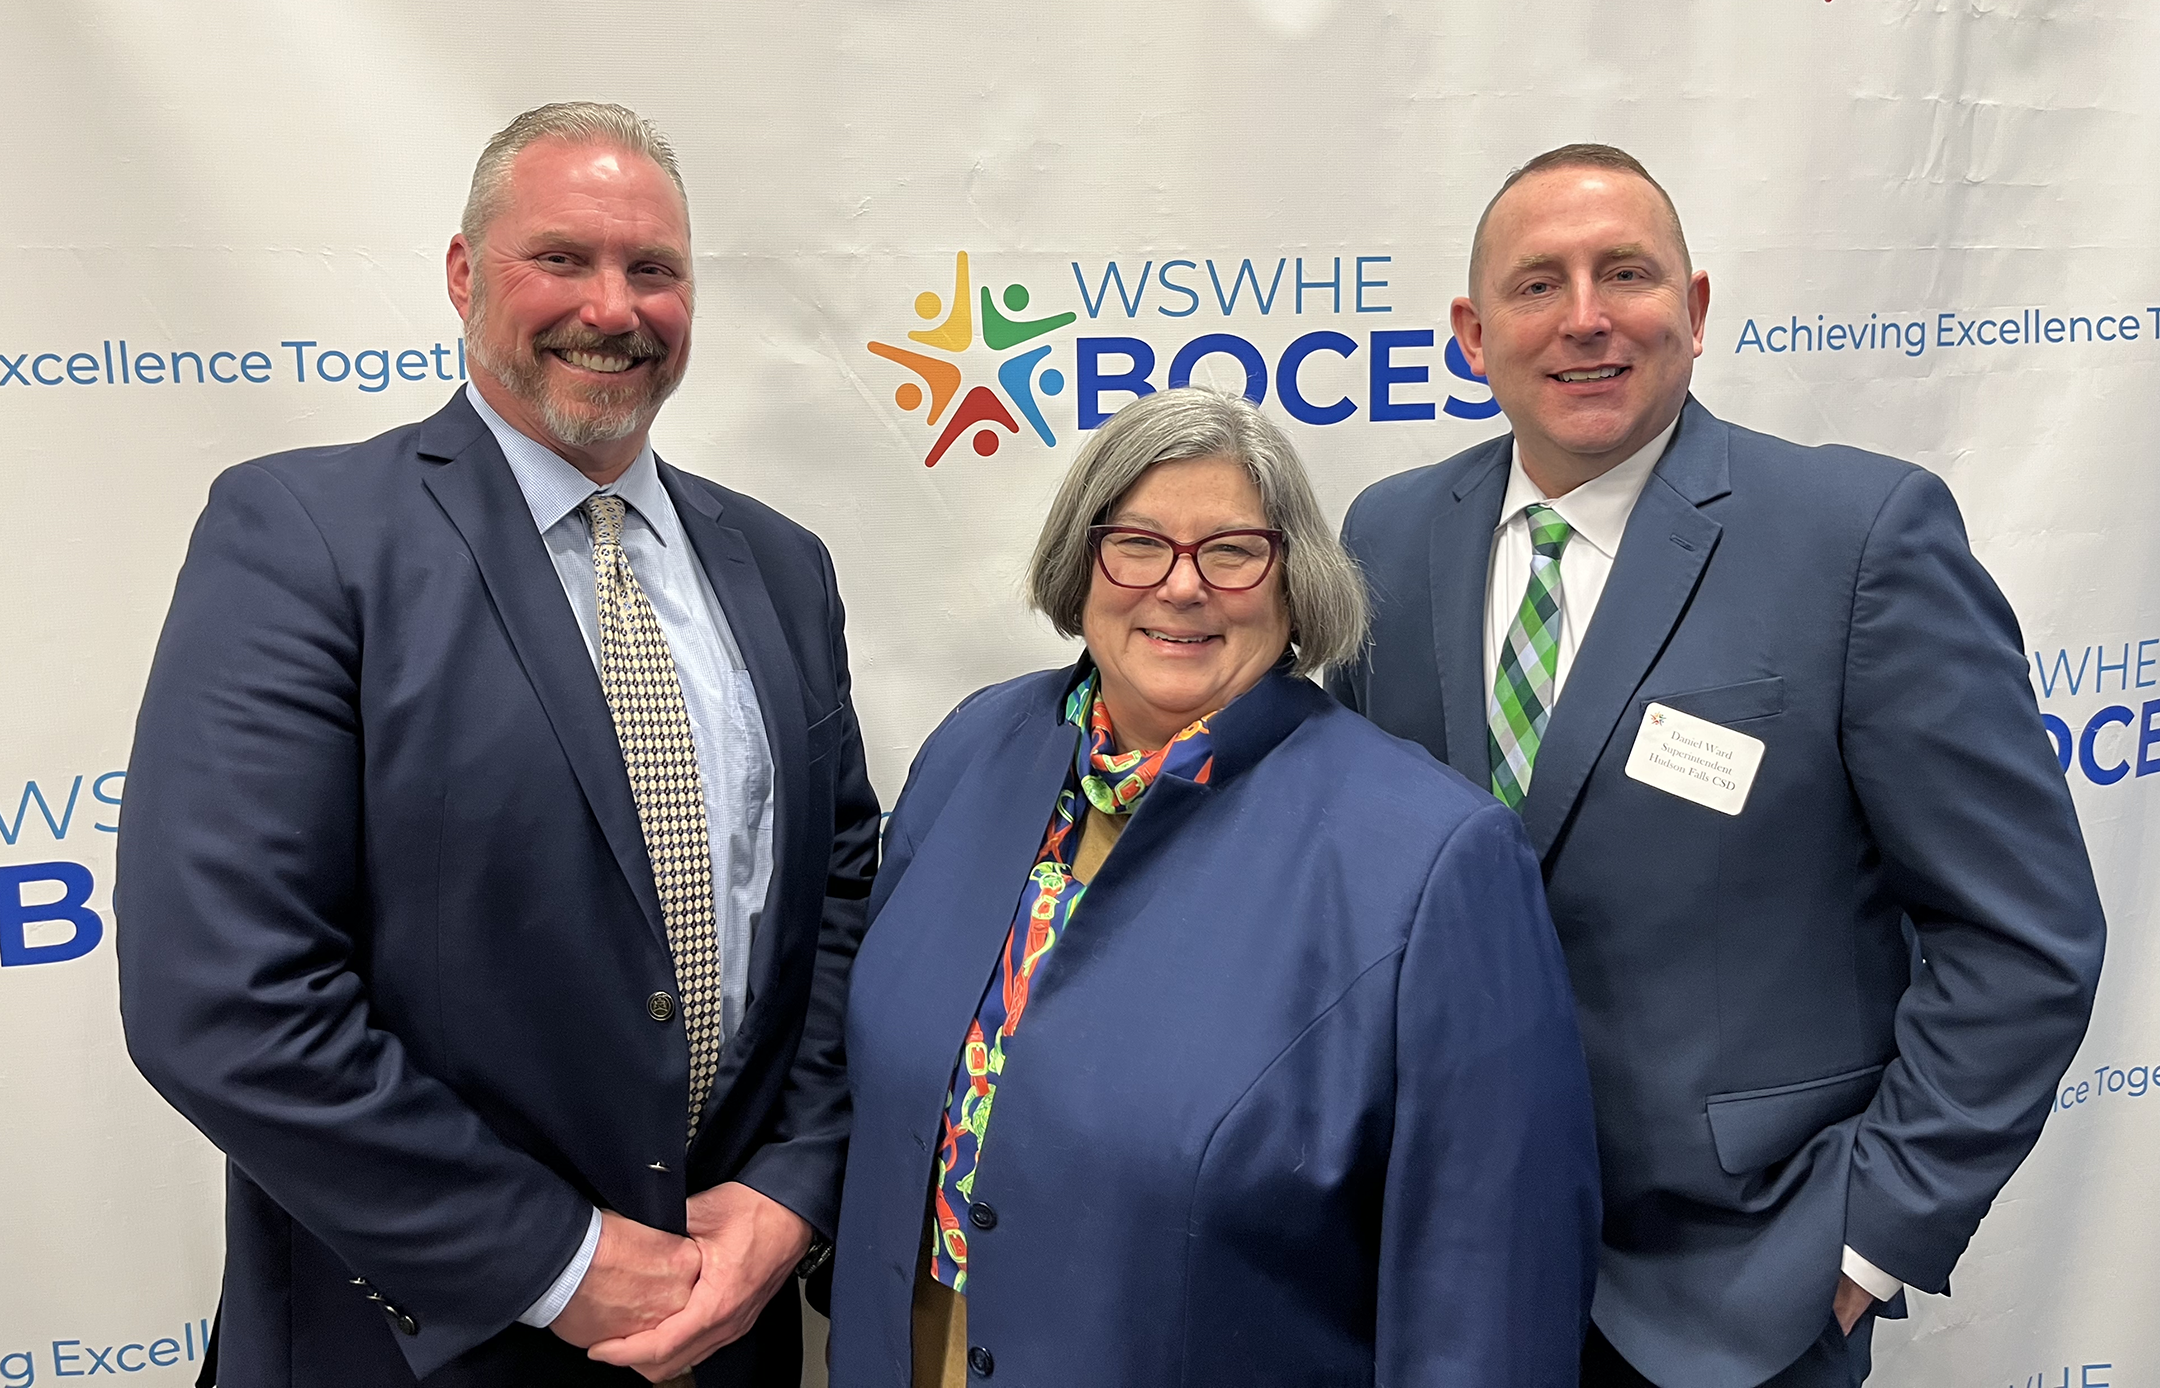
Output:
x=1755 y=1127
x=1726 y=703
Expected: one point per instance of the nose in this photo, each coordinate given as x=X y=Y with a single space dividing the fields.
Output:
x=609 y=306
x=1182 y=584
x=1586 y=312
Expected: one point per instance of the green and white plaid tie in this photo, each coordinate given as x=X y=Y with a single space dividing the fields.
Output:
x=644 y=696
x=1522 y=696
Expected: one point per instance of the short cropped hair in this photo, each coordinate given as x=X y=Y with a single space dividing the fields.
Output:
x=573 y=122
x=1579 y=156
x=1329 y=611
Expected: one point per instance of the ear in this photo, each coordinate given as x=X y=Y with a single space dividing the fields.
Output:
x=1470 y=332
x=458 y=273
x=1698 y=305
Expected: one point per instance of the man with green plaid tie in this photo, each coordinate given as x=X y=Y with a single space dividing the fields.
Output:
x=1525 y=678
x=1716 y=673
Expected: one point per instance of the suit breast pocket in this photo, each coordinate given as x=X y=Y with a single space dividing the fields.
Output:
x=1724 y=704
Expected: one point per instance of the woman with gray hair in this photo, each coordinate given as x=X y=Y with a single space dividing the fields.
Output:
x=1296 y=1096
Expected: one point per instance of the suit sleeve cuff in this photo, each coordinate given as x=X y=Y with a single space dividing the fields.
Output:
x=542 y=1313
x=1872 y=1279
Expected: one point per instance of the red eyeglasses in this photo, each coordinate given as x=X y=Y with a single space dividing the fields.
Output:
x=1229 y=561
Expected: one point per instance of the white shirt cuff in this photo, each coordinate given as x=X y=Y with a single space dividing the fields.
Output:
x=542 y=1313
x=1872 y=1279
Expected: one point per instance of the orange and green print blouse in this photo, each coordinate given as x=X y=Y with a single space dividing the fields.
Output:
x=1113 y=783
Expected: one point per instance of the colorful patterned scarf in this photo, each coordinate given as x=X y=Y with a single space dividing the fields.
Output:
x=1114 y=783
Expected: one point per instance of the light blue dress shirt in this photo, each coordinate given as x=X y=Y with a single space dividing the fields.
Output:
x=734 y=761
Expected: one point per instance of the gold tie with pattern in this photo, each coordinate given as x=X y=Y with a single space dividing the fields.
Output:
x=644 y=696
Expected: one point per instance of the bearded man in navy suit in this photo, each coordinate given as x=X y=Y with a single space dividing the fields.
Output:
x=1829 y=919
x=499 y=843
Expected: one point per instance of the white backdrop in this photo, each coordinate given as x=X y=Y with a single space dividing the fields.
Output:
x=192 y=181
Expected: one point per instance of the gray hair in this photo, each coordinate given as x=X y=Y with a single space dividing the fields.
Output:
x=1329 y=611
x=573 y=122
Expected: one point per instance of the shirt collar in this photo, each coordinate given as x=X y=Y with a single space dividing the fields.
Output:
x=553 y=488
x=1598 y=510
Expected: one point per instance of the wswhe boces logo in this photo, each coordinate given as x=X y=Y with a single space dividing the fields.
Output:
x=1022 y=377
x=1315 y=334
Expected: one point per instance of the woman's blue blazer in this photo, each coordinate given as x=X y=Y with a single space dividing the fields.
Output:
x=1299 y=1099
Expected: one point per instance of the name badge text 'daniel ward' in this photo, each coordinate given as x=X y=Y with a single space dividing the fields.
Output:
x=1695 y=759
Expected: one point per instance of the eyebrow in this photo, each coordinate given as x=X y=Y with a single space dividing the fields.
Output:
x=1128 y=520
x=549 y=237
x=1539 y=260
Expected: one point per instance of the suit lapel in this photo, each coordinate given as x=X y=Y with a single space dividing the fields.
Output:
x=477 y=490
x=1662 y=555
x=979 y=854
x=1460 y=563
x=746 y=600
x=990 y=834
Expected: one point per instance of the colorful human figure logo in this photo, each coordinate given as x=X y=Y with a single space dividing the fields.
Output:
x=1022 y=377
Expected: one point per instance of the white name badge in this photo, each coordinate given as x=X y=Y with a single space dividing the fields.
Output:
x=1695 y=759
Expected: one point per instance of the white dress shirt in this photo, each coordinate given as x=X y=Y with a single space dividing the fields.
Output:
x=734 y=761
x=1597 y=511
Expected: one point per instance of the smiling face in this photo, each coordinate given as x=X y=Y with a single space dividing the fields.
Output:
x=1585 y=319
x=1181 y=650
x=577 y=302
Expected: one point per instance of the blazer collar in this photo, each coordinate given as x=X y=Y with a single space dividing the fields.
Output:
x=1662 y=557
x=1459 y=557
x=1246 y=730
x=1667 y=544
x=448 y=432
x=981 y=847
x=473 y=484
x=553 y=486
x=1697 y=467
x=1249 y=726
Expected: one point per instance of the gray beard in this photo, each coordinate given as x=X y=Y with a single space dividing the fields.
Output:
x=607 y=415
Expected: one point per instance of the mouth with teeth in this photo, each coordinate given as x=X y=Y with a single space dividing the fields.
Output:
x=1168 y=639
x=595 y=361
x=603 y=356
x=1588 y=375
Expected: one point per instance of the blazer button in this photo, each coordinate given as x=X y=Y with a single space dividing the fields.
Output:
x=982 y=1216
x=660 y=1007
x=980 y=1362
x=407 y=1324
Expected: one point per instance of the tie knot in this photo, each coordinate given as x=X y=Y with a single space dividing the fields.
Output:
x=605 y=515
x=1548 y=533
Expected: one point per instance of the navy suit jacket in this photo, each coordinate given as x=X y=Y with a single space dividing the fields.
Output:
x=387 y=926
x=1837 y=1018
x=1299 y=1099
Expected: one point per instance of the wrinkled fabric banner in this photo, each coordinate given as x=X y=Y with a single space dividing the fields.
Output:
x=936 y=246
